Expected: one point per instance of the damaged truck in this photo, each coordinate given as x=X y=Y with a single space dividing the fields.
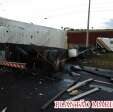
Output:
x=34 y=48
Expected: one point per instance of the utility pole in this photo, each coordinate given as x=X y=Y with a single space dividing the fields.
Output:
x=88 y=21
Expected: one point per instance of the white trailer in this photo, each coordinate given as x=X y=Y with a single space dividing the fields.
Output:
x=23 y=33
x=105 y=43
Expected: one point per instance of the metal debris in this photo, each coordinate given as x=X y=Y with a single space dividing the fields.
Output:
x=41 y=94
x=2 y=88
x=4 y=110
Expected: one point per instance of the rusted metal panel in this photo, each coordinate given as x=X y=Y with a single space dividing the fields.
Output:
x=80 y=37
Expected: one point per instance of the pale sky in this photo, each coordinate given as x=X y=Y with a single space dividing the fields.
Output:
x=59 y=13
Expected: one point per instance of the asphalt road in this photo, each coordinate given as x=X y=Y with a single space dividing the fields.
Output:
x=23 y=93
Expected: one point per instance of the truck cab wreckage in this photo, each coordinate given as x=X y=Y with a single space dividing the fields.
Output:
x=31 y=47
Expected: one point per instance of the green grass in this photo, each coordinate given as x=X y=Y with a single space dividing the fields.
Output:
x=102 y=61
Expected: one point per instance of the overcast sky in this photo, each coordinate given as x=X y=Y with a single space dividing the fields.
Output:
x=59 y=13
